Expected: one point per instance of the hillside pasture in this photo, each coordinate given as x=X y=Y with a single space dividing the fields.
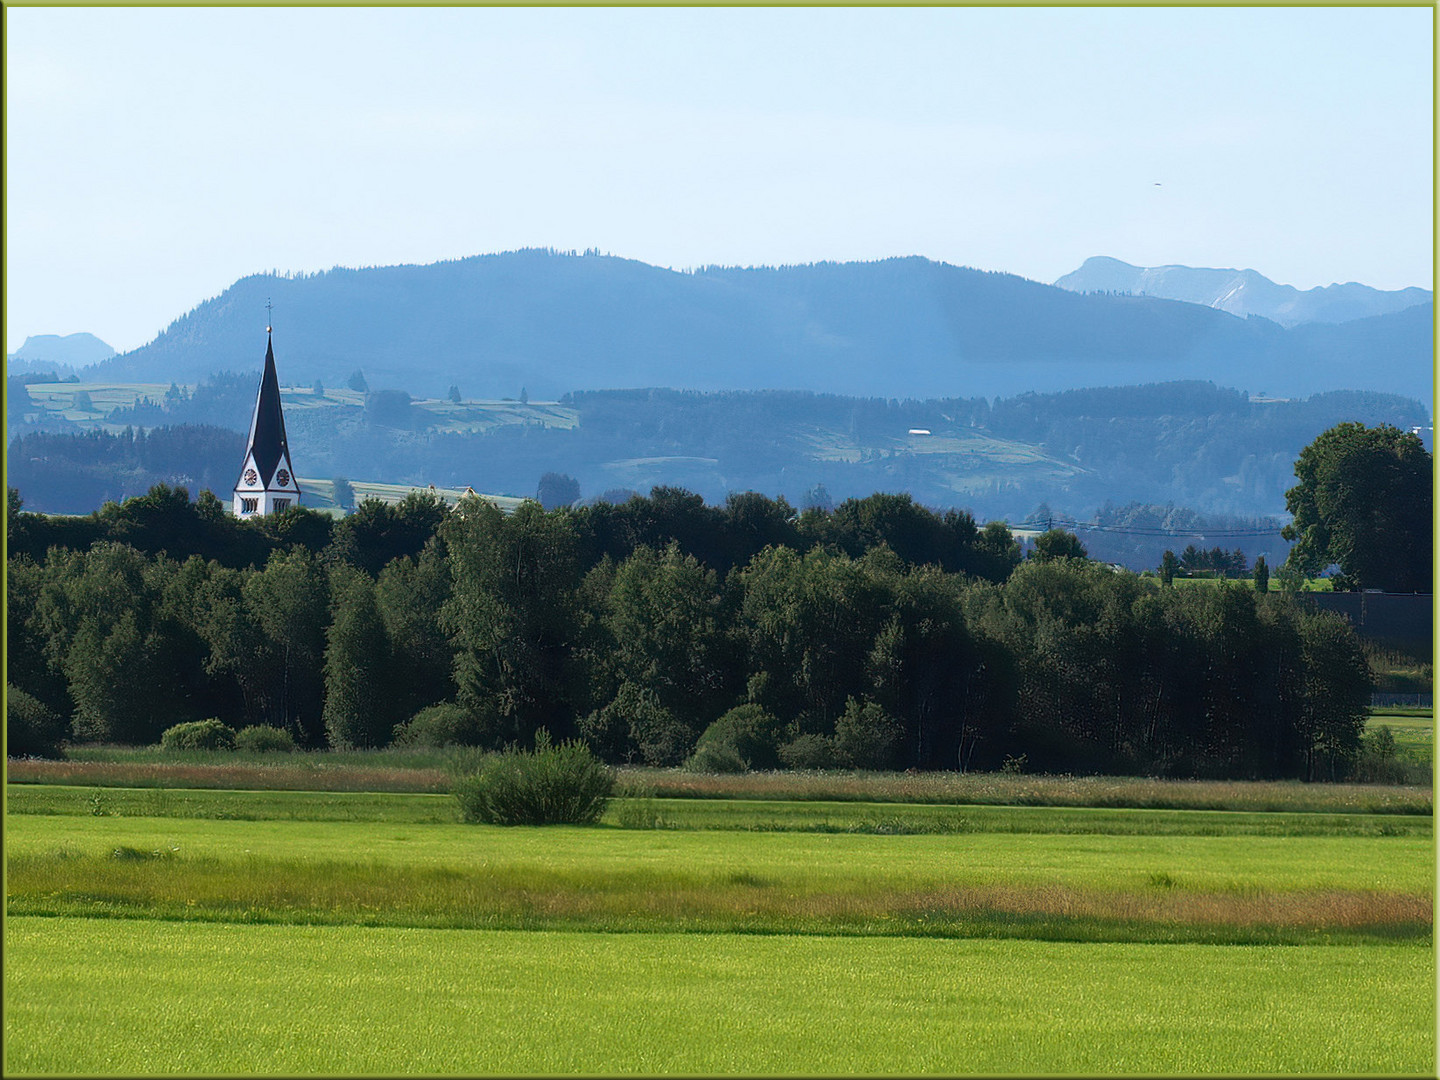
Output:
x=59 y=400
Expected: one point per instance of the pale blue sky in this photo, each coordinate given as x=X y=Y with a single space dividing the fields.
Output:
x=155 y=155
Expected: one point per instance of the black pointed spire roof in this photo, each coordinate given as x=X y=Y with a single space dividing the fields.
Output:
x=267 y=426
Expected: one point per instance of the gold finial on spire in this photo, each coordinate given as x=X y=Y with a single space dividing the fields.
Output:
x=267 y=315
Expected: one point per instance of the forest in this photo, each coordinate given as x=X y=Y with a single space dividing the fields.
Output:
x=879 y=634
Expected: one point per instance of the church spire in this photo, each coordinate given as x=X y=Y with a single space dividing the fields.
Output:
x=267 y=479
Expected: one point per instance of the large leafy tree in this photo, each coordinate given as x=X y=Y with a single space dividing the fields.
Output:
x=289 y=602
x=512 y=617
x=410 y=594
x=667 y=653
x=359 y=711
x=96 y=614
x=1364 y=502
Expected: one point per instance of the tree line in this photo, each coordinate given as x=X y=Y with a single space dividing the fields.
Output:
x=877 y=635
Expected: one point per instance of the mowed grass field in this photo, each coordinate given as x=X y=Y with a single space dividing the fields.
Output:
x=204 y=930
x=156 y=997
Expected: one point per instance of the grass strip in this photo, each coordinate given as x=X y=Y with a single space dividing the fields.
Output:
x=1234 y=889
x=997 y=789
x=221 y=805
x=828 y=861
x=881 y=819
x=106 y=997
x=374 y=772
x=148 y=884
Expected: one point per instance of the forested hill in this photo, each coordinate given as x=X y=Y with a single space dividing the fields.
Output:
x=552 y=323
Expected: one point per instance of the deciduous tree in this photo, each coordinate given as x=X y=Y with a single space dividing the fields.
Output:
x=1364 y=502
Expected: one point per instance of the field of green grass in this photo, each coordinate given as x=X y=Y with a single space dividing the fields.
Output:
x=153 y=997
x=751 y=929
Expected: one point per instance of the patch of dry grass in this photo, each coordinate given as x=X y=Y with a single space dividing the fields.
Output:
x=312 y=773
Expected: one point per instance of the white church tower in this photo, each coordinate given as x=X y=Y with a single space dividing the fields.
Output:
x=267 y=481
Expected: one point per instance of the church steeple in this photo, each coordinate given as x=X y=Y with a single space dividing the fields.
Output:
x=267 y=479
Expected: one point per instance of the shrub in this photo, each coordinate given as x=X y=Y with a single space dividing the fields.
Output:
x=716 y=757
x=751 y=731
x=31 y=729
x=865 y=737
x=554 y=785
x=637 y=721
x=435 y=726
x=209 y=734
x=264 y=739
x=810 y=751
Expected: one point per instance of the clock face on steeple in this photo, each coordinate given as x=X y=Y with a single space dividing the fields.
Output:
x=251 y=476
x=283 y=477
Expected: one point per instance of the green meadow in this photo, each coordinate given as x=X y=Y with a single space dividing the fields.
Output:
x=156 y=930
x=157 y=997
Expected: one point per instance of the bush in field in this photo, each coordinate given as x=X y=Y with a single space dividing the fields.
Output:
x=435 y=726
x=810 y=751
x=554 y=785
x=865 y=737
x=717 y=757
x=750 y=731
x=31 y=729
x=209 y=734
x=264 y=739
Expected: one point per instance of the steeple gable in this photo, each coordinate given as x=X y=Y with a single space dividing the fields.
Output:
x=267 y=478
x=267 y=426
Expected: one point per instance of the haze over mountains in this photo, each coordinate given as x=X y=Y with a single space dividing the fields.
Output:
x=1242 y=292
x=51 y=351
x=552 y=323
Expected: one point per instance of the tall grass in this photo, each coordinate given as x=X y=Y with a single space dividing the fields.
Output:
x=160 y=882
x=1000 y=789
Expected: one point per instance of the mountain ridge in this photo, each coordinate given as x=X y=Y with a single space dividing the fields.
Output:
x=1242 y=292
x=903 y=327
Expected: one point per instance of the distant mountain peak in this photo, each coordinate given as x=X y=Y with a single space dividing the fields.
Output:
x=1241 y=292
x=52 y=350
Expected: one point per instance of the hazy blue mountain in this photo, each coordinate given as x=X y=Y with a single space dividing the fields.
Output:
x=52 y=350
x=1242 y=292
x=906 y=327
